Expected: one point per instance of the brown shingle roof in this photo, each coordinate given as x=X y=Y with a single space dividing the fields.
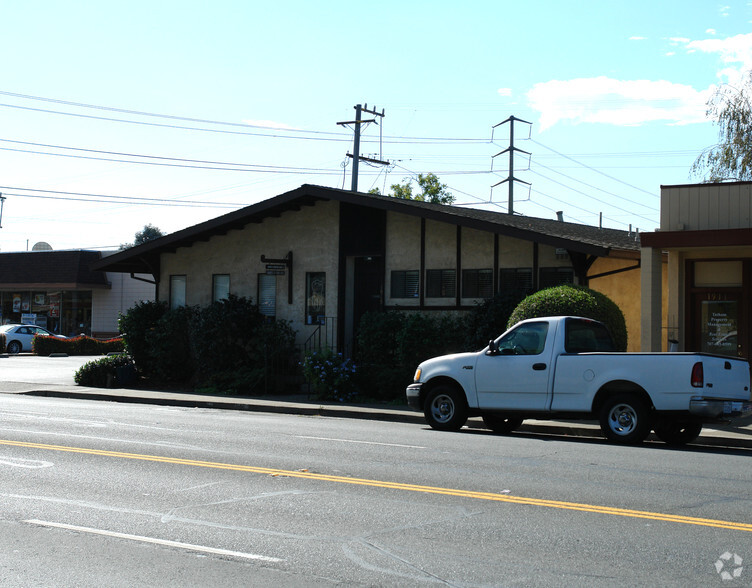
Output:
x=51 y=269
x=574 y=237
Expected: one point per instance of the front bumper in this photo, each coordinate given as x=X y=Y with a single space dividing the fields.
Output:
x=413 y=395
x=718 y=408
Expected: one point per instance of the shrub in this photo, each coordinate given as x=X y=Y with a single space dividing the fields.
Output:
x=576 y=301
x=46 y=345
x=392 y=344
x=228 y=347
x=330 y=375
x=107 y=372
x=137 y=327
x=489 y=319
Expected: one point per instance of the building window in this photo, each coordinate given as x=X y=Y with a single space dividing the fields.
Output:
x=267 y=294
x=477 y=283
x=220 y=287
x=555 y=276
x=516 y=280
x=315 y=298
x=405 y=283
x=441 y=283
x=177 y=291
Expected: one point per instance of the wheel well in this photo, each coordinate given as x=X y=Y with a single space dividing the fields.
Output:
x=439 y=381
x=619 y=387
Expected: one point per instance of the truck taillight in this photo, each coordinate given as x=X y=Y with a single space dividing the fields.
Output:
x=698 y=377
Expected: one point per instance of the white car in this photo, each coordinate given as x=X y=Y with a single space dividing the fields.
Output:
x=18 y=338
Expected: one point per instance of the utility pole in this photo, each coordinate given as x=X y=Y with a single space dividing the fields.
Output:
x=2 y=202
x=356 y=157
x=511 y=149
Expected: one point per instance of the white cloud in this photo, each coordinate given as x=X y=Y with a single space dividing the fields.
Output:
x=505 y=91
x=617 y=102
x=735 y=53
x=710 y=31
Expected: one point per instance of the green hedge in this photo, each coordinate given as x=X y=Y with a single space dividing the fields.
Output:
x=82 y=345
x=575 y=301
x=228 y=347
x=109 y=372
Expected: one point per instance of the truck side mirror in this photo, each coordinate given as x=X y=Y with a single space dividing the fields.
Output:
x=492 y=348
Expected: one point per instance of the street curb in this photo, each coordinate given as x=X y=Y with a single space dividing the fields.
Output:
x=363 y=412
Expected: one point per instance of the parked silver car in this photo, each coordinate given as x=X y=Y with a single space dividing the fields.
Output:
x=18 y=338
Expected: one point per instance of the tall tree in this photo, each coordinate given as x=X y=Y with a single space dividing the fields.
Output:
x=148 y=233
x=731 y=158
x=431 y=190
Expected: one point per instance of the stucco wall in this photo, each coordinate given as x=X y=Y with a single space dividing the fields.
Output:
x=108 y=304
x=312 y=234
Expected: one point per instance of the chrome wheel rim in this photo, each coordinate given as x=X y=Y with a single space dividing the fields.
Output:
x=442 y=408
x=622 y=419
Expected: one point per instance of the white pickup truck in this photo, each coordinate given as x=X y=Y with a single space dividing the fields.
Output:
x=566 y=368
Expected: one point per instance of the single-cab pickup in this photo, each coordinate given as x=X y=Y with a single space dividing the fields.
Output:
x=566 y=368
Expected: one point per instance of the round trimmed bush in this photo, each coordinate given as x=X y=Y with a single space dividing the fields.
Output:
x=569 y=300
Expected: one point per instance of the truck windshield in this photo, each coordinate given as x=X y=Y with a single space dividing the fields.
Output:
x=583 y=336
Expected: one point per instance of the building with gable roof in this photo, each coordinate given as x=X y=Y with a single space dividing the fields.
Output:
x=322 y=257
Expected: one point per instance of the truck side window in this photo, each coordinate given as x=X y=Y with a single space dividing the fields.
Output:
x=585 y=336
x=528 y=339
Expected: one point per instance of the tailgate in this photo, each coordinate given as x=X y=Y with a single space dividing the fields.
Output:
x=727 y=378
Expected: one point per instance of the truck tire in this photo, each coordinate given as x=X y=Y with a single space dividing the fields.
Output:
x=445 y=408
x=501 y=424
x=676 y=432
x=625 y=419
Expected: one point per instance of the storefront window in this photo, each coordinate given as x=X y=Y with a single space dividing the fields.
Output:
x=719 y=326
x=64 y=312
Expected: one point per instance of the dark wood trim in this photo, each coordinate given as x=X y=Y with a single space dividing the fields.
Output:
x=422 y=277
x=458 y=291
x=695 y=239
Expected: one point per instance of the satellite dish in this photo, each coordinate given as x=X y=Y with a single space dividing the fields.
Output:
x=42 y=246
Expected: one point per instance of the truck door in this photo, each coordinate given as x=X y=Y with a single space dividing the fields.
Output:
x=515 y=375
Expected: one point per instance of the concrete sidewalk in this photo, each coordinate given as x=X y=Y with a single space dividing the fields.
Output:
x=736 y=435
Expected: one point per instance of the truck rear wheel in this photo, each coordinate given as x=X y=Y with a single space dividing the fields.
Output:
x=501 y=424
x=445 y=408
x=675 y=432
x=625 y=419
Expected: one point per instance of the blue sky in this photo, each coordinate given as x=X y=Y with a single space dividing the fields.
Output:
x=171 y=113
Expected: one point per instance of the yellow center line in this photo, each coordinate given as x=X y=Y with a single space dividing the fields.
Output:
x=608 y=510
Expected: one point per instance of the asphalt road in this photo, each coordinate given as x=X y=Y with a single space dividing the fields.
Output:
x=99 y=493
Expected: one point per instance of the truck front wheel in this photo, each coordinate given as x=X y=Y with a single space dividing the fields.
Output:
x=446 y=408
x=676 y=432
x=625 y=419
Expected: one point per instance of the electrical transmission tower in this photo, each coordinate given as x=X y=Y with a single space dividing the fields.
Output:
x=511 y=150
x=356 y=156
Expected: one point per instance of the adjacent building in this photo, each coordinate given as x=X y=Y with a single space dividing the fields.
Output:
x=58 y=290
x=706 y=233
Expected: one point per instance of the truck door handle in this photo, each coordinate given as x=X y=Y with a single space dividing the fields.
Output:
x=539 y=367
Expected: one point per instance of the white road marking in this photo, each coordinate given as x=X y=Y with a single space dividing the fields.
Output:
x=19 y=462
x=361 y=442
x=152 y=540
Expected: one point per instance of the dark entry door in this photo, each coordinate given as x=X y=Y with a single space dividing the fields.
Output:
x=369 y=287
x=718 y=323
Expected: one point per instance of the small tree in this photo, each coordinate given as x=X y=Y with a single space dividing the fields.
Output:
x=575 y=301
x=148 y=233
x=731 y=158
x=431 y=190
